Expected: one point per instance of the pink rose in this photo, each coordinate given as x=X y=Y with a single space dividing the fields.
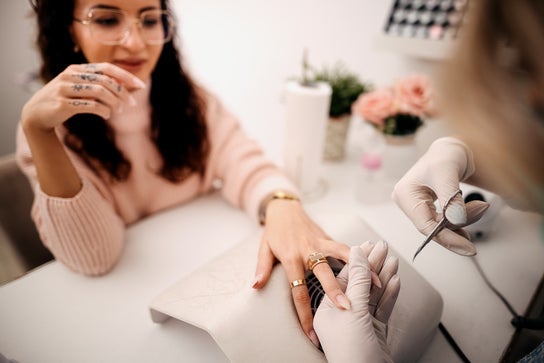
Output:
x=414 y=95
x=374 y=106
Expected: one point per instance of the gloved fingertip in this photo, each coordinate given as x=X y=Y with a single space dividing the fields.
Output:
x=375 y=279
x=343 y=301
x=475 y=210
x=471 y=253
x=367 y=247
x=465 y=250
x=456 y=214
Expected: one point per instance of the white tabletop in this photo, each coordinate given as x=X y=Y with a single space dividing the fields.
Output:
x=54 y=315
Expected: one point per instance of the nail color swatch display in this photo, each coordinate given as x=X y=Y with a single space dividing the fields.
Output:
x=426 y=19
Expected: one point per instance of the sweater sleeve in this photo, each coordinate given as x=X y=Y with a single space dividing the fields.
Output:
x=83 y=232
x=247 y=175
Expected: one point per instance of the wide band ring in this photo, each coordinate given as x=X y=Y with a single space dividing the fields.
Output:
x=297 y=283
x=314 y=259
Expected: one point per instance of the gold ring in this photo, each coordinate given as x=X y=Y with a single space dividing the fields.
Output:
x=314 y=259
x=297 y=283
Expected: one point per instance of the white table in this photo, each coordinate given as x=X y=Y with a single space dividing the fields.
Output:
x=53 y=315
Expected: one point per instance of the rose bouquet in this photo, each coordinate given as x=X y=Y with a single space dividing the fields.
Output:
x=399 y=109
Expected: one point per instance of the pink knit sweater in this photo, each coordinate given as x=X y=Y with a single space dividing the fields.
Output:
x=86 y=232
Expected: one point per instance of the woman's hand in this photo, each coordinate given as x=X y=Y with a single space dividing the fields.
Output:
x=83 y=88
x=359 y=334
x=86 y=88
x=290 y=236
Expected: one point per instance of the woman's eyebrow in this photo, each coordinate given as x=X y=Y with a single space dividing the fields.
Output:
x=149 y=8
x=102 y=6
x=109 y=7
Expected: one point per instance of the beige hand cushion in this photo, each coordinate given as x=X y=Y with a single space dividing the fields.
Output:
x=262 y=326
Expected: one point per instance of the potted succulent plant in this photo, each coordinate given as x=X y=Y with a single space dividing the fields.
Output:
x=346 y=88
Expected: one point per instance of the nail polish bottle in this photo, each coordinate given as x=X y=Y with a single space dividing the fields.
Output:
x=370 y=184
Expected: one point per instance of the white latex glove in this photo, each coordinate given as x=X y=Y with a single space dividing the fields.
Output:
x=359 y=334
x=436 y=175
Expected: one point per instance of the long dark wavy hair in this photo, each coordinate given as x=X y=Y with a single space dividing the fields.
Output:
x=178 y=110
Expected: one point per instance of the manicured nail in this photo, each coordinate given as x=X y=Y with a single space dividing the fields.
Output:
x=313 y=338
x=257 y=280
x=375 y=279
x=139 y=83
x=343 y=301
x=131 y=100
x=120 y=108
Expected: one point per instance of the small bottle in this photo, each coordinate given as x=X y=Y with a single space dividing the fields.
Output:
x=370 y=184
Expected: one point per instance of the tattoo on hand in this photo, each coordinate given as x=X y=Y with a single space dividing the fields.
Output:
x=87 y=77
x=79 y=87
x=94 y=68
x=79 y=103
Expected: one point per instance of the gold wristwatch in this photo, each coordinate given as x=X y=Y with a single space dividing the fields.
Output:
x=279 y=194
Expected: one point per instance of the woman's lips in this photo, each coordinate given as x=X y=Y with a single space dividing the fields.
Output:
x=131 y=65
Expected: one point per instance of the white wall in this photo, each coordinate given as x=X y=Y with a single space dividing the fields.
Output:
x=243 y=50
x=18 y=57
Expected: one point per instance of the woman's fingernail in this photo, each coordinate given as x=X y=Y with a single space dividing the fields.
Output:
x=139 y=83
x=375 y=279
x=131 y=100
x=313 y=338
x=257 y=279
x=343 y=301
x=120 y=108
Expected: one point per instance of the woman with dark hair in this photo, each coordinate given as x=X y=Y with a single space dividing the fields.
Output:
x=120 y=131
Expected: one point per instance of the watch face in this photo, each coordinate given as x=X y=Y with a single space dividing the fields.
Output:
x=314 y=286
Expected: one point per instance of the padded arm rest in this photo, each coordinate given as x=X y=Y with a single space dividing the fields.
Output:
x=262 y=326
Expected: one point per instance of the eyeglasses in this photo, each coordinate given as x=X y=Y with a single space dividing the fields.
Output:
x=112 y=27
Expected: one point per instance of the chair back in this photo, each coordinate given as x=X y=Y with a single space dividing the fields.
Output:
x=16 y=197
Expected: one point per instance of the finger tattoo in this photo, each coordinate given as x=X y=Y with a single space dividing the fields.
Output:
x=94 y=68
x=80 y=87
x=79 y=103
x=87 y=77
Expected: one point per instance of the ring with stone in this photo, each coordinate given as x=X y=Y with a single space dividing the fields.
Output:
x=314 y=259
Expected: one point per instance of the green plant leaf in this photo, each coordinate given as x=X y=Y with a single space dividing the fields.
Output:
x=346 y=87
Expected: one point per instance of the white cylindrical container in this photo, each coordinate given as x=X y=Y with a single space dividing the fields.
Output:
x=306 y=115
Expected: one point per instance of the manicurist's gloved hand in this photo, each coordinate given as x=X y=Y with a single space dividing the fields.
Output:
x=359 y=334
x=436 y=175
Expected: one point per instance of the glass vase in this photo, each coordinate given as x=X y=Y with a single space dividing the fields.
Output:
x=400 y=152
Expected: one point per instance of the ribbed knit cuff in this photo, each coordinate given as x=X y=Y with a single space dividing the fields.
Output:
x=83 y=232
